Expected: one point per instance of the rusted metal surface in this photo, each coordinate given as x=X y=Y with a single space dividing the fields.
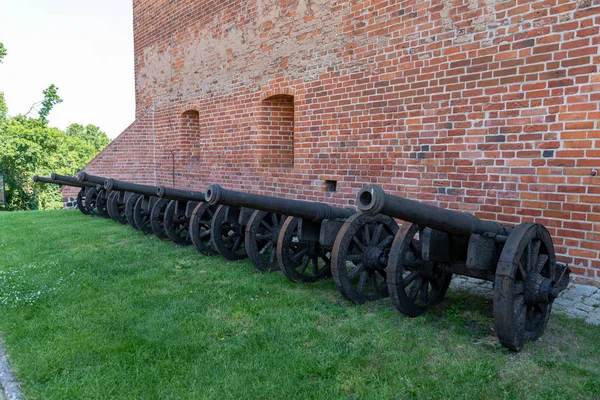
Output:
x=435 y=243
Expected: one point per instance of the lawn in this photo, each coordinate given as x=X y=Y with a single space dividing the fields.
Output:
x=92 y=309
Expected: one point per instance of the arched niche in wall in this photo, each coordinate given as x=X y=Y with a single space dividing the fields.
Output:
x=276 y=131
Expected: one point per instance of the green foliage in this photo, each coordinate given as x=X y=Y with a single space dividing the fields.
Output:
x=89 y=134
x=29 y=147
x=51 y=98
x=3 y=52
x=3 y=107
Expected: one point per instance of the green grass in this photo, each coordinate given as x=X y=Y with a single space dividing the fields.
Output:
x=92 y=309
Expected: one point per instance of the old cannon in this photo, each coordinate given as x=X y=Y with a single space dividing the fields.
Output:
x=191 y=216
x=301 y=233
x=104 y=196
x=100 y=196
x=435 y=243
x=138 y=202
x=176 y=207
x=115 y=200
x=84 y=187
x=93 y=200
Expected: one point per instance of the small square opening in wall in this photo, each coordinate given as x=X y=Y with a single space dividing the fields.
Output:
x=331 y=186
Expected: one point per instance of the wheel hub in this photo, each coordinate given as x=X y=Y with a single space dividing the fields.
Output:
x=539 y=289
x=371 y=258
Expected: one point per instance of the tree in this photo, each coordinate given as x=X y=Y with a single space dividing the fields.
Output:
x=3 y=107
x=3 y=52
x=51 y=98
x=90 y=134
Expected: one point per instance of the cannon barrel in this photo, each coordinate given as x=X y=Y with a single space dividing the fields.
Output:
x=85 y=177
x=181 y=195
x=373 y=200
x=114 y=184
x=43 y=179
x=309 y=210
x=69 y=180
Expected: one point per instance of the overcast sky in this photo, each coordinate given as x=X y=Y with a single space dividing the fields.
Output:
x=84 y=47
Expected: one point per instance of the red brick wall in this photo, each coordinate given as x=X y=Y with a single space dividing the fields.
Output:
x=489 y=106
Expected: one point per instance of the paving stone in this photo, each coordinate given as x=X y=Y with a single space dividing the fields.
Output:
x=593 y=317
x=584 y=307
x=573 y=312
x=580 y=291
x=591 y=301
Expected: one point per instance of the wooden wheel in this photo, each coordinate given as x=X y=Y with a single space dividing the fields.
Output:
x=200 y=228
x=527 y=282
x=89 y=201
x=129 y=206
x=261 y=236
x=227 y=234
x=101 y=203
x=116 y=208
x=359 y=256
x=141 y=215
x=301 y=261
x=157 y=218
x=176 y=225
x=80 y=198
x=413 y=283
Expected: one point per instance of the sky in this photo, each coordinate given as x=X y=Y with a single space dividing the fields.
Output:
x=84 y=47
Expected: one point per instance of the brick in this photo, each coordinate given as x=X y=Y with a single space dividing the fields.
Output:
x=506 y=126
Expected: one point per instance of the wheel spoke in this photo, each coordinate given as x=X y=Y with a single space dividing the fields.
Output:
x=265 y=248
x=373 y=282
x=272 y=257
x=315 y=265
x=354 y=257
x=358 y=243
x=414 y=291
x=264 y=223
x=355 y=271
x=267 y=236
x=376 y=235
x=362 y=280
x=298 y=256
x=385 y=242
x=410 y=278
x=533 y=249
x=236 y=245
x=367 y=238
x=541 y=262
x=304 y=265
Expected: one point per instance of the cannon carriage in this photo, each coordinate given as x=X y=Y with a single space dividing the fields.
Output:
x=299 y=234
x=435 y=243
x=176 y=207
x=81 y=195
x=92 y=200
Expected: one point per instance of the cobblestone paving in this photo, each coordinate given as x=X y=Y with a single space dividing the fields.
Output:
x=578 y=300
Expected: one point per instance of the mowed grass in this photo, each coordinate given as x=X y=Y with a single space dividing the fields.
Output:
x=92 y=309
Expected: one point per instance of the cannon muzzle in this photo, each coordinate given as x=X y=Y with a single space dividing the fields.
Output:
x=309 y=210
x=85 y=177
x=181 y=195
x=373 y=200
x=42 y=179
x=114 y=184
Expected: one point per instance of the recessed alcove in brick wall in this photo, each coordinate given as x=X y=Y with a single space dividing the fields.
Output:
x=276 y=131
